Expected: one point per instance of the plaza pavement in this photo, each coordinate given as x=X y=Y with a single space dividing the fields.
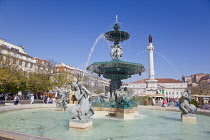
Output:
x=11 y=102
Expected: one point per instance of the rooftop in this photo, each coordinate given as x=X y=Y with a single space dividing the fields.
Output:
x=161 y=80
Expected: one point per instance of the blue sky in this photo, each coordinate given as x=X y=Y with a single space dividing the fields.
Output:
x=65 y=31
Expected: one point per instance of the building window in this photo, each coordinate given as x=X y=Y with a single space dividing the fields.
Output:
x=26 y=64
x=14 y=49
x=20 y=62
x=14 y=61
x=31 y=66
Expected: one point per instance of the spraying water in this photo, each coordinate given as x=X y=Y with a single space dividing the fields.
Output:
x=169 y=63
x=141 y=52
x=91 y=51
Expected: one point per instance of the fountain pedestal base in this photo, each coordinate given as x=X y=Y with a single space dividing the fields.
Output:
x=188 y=117
x=125 y=113
x=116 y=112
x=80 y=124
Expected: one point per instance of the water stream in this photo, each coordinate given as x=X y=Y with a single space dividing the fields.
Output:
x=165 y=59
x=101 y=36
x=169 y=63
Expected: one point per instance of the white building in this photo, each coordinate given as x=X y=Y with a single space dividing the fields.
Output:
x=79 y=75
x=170 y=88
x=18 y=57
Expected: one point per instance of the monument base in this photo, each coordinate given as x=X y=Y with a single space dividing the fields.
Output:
x=80 y=124
x=61 y=109
x=125 y=113
x=188 y=117
x=116 y=112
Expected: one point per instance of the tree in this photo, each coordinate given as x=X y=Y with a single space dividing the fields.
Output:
x=39 y=82
x=203 y=87
x=61 y=80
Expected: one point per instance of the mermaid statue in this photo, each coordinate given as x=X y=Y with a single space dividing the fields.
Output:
x=82 y=110
x=184 y=104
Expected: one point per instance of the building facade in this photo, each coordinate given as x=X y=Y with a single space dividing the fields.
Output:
x=195 y=79
x=90 y=81
x=13 y=55
x=170 y=88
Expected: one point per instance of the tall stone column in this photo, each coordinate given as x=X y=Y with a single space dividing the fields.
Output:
x=151 y=82
x=151 y=62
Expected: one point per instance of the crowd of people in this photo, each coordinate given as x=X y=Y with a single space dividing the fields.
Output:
x=46 y=99
x=165 y=102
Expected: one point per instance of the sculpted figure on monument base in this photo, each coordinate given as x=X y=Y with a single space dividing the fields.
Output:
x=116 y=52
x=184 y=104
x=63 y=100
x=124 y=97
x=82 y=110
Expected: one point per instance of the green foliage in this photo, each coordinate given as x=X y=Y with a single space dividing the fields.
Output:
x=194 y=102
x=180 y=99
x=141 y=100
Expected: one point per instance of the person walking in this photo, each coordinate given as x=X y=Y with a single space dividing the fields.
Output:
x=32 y=99
x=153 y=102
x=16 y=100
x=165 y=103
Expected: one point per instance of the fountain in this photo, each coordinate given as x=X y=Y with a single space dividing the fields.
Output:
x=43 y=122
x=118 y=99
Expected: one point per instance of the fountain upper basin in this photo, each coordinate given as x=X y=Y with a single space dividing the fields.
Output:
x=116 y=69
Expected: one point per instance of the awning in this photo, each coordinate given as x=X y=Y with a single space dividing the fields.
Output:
x=156 y=95
x=205 y=96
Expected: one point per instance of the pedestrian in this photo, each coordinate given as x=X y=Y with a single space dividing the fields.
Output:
x=45 y=99
x=164 y=103
x=176 y=102
x=207 y=106
x=6 y=96
x=50 y=100
x=153 y=102
x=32 y=99
x=16 y=100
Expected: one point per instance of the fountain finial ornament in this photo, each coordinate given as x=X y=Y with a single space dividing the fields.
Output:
x=116 y=26
x=150 y=38
x=116 y=19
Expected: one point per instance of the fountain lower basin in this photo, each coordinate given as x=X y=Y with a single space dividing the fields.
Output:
x=47 y=122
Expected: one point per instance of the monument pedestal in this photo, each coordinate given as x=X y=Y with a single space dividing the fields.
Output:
x=125 y=113
x=188 y=117
x=80 y=124
x=116 y=112
x=100 y=112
